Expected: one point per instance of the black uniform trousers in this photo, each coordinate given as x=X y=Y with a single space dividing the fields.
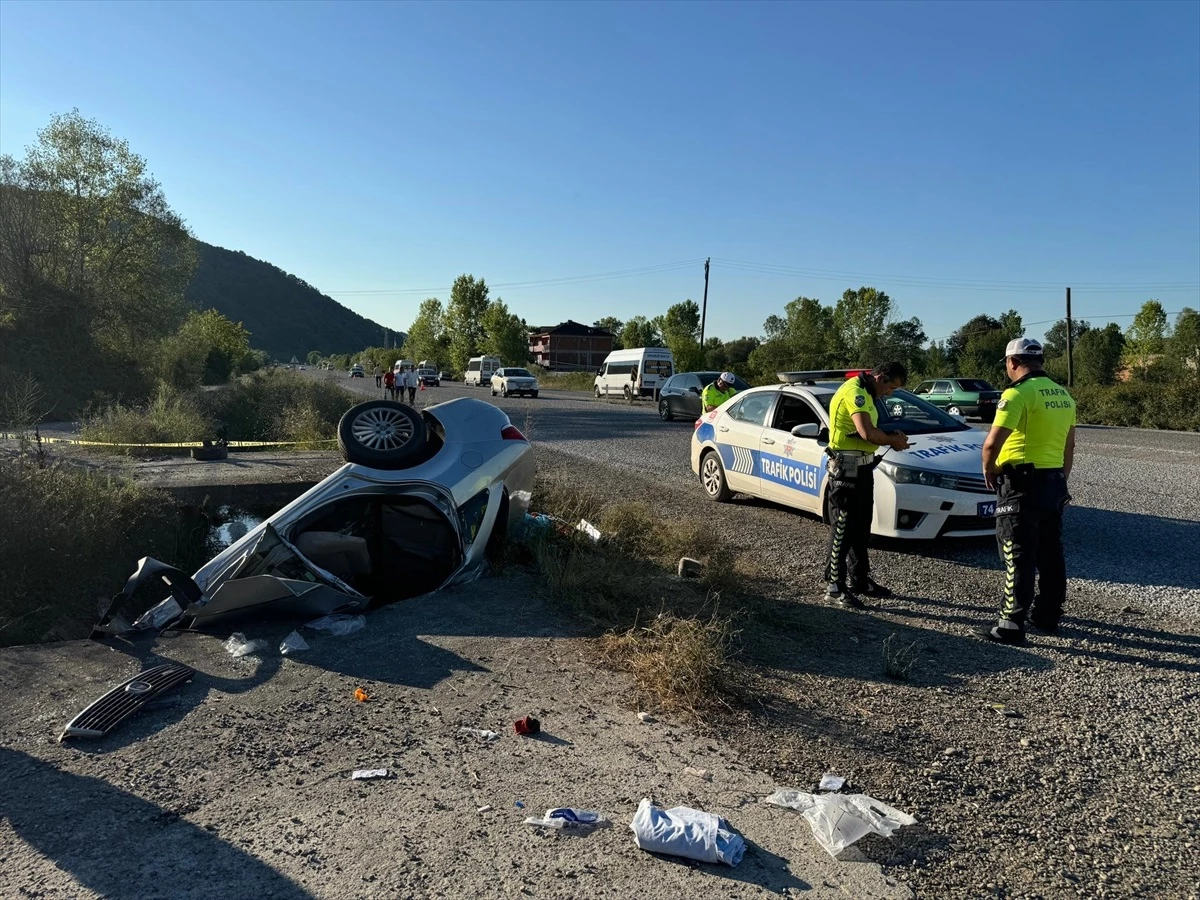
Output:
x=1029 y=515
x=851 y=506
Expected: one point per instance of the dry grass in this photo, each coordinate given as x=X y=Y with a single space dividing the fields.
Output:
x=68 y=538
x=899 y=658
x=665 y=631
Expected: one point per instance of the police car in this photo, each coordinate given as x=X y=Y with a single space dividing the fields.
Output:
x=770 y=442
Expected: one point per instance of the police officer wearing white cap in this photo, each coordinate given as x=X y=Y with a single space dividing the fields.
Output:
x=1027 y=459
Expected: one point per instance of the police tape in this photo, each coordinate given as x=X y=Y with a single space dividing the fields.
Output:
x=177 y=445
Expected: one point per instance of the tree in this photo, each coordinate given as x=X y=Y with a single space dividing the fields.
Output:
x=680 y=328
x=506 y=336
x=861 y=318
x=1055 y=341
x=314 y=357
x=427 y=338
x=1146 y=338
x=1184 y=346
x=464 y=319
x=1098 y=355
x=957 y=342
x=1011 y=326
x=613 y=326
x=903 y=341
x=805 y=337
x=207 y=349
x=640 y=332
x=936 y=362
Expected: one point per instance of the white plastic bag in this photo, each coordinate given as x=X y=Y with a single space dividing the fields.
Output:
x=482 y=733
x=238 y=646
x=338 y=625
x=293 y=643
x=686 y=832
x=838 y=820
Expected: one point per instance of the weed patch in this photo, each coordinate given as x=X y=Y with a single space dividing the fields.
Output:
x=899 y=658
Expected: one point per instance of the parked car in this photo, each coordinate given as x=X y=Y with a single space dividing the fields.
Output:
x=680 y=395
x=428 y=373
x=770 y=442
x=966 y=397
x=423 y=499
x=511 y=380
x=356 y=371
x=637 y=372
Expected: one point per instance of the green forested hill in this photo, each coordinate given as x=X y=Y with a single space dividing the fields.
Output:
x=285 y=315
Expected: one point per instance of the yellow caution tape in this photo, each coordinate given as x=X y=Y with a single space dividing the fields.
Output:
x=179 y=445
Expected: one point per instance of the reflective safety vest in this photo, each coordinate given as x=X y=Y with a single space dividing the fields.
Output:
x=1040 y=414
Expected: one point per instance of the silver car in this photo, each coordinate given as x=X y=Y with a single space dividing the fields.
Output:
x=422 y=500
x=511 y=380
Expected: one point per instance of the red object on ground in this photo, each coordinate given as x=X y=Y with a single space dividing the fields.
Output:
x=527 y=725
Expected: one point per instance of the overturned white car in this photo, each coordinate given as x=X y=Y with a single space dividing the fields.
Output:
x=422 y=500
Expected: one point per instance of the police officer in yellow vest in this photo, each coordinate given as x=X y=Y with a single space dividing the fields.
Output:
x=1027 y=458
x=718 y=392
x=854 y=436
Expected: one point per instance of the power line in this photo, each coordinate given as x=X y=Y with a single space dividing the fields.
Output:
x=546 y=282
x=957 y=284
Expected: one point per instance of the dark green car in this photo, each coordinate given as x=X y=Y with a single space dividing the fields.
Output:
x=966 y=397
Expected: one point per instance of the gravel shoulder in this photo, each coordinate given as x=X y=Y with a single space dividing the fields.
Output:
x=246 y=781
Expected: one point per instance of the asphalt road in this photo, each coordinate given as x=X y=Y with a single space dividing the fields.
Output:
x=1132 y=529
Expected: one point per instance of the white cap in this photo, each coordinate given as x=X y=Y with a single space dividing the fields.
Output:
x=1023 y=347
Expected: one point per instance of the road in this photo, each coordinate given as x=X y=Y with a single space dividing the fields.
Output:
x=1131 y=532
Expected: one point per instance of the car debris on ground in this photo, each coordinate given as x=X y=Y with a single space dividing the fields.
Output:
x=337 y=625
x=293 y=643
x=690 y=833
x=482 y=733
x=838 y=820
x=238 y=646
x=368 y=774
x=567 y=817
x=133 y=694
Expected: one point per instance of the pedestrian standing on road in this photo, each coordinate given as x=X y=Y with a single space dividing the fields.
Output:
x=378 y=377
x=1027 y=459
x=410 y=382
x=854 y=436
x=718 y=392
x=389 y=382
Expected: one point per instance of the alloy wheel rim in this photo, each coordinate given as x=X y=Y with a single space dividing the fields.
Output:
x=712 y=476
x=382 y=429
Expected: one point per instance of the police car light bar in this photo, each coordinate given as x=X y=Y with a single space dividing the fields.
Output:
x=817 y=375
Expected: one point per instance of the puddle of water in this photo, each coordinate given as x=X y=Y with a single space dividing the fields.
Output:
x=230 y=524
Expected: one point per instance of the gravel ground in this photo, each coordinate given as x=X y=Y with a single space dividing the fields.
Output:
x=1092 y=791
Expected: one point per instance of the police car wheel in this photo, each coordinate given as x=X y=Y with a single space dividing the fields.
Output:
x=664 y=411
x=712 y=478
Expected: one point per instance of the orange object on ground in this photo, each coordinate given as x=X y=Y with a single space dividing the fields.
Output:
x=361 y=696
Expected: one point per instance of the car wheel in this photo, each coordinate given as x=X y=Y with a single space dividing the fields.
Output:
x=503 y=390
x=664 y=411
x=597 y=393
x=381 y=434
x=493 y=392
x=628 y=394
x=712 y=478
x=954 y=411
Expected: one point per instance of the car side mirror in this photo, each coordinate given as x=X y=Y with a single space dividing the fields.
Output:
x=807 y=430
x=694 y=390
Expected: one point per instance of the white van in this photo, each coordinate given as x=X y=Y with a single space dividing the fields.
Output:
x=639 y=372
x=480 y=370
x=401 y=365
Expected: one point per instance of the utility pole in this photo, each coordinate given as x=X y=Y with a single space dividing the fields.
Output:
x=704 y=307
x=1070 y=349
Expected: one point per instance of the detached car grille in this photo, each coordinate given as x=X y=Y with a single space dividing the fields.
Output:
x=124 y=700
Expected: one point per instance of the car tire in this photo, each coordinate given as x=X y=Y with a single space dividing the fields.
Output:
x=664 y=410
x=628 y=394
x=954 y=411
x=382 y=434
x=712 y=478
x=504 y=392
x=597 y=393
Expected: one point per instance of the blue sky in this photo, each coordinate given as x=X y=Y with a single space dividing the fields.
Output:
x=930 y=150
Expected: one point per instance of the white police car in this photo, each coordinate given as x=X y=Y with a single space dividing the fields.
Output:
x=770 y=442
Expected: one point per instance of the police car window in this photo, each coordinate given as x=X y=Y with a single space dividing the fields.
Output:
x=793 y=411
x=754 y=408
x=902 y=411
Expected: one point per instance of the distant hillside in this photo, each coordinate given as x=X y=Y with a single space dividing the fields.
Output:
x=285 y=315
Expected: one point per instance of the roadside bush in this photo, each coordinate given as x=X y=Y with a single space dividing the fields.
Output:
x=279 y=405
x=1171 y=404
x=568 y=381
x=67 y=539
x=169 y=416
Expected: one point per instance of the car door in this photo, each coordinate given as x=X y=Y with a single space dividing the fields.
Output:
x=739 y=432
x=689 y=396
x=791 y=469
x=941 y=393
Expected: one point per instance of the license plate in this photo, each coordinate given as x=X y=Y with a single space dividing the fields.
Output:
x=987 y=510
